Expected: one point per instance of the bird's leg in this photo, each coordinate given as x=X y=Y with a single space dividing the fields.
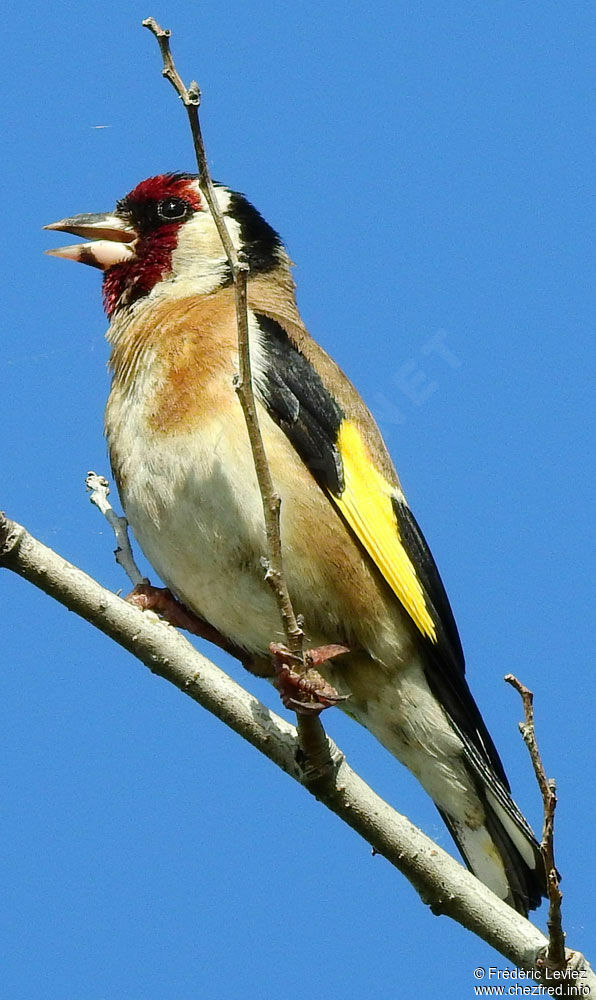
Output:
x=161 y=600
x=306 y=691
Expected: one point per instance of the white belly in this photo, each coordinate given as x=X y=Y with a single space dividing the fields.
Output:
x=193 y=505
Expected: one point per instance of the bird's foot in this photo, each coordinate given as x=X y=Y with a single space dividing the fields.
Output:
x=162 y=601
x=306 y=692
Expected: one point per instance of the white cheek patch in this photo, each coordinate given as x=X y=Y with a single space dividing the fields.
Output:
x=199 y=262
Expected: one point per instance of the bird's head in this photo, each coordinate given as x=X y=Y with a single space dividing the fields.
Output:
x=161 y=240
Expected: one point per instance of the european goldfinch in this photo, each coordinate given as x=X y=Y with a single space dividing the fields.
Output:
x=358 y=567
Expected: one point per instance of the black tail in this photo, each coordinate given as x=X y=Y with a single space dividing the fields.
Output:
x=504 y=853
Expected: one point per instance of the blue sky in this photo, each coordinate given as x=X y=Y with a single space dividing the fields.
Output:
x=427 y=166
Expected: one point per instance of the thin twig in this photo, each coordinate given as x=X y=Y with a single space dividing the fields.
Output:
x=310 y=728
x=99 y=489
x=555 y=956
x=191 y=98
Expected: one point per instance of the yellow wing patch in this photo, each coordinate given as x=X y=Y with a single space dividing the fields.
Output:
x=366 y=505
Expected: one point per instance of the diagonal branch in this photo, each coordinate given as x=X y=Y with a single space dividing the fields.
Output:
x=441 y=881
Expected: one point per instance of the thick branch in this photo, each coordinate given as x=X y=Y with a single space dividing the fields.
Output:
x=441 y=882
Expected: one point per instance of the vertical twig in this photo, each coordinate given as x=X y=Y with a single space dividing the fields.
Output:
x=555 y=957
x=191 y=98
x=99 y=489
x=311 y=733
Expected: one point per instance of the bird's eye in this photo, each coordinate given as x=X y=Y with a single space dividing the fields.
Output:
x=172 y=209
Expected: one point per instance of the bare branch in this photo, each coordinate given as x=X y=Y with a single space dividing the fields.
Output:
x=441 y=882
x=555 y=955
x=163 y=35
x=191 y=98
x=309 y=726
x=99 y=489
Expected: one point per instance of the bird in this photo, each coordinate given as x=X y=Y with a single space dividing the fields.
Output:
x=357 y=565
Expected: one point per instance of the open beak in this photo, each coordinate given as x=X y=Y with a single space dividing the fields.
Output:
x=111 y=240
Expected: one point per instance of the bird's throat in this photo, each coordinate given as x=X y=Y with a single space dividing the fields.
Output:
x=125 y=283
